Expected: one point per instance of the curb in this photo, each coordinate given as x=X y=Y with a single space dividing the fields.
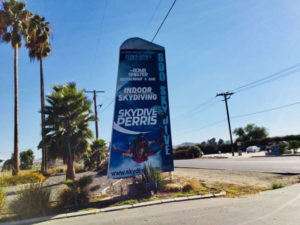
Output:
x=111 y=209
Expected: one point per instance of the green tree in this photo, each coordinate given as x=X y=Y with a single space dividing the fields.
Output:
x=94 y=157
x=13 y=25
x=221 y=142
x=39 y=48
x=26 y=159
x=8 y=164
x=212 y=141
x=250 y=132
x=294 y=144
x=66 y=125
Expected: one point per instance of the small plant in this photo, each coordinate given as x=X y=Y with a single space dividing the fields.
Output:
x=276 y=185
x=172 y=187
x=2 y=198
x=33 y=200
x=79 y=167
x=66 y=197
x=151 y=174
x=192 y=185
x=93 y=158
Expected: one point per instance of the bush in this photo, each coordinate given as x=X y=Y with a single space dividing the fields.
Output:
x=172 y=187
x=276 y=185
x=151 y=174
x=192 y=185
x=26 y=159
x=96 y=155
x=194 y=152
x=31 y=201
x=84 y=181
x=2 y=199
x=283 y=145
x=7 y=165
x=22 y=178
x=66 y=197
x=102 y=169
x=79 y=168
x=294 y=144
x=190 y=152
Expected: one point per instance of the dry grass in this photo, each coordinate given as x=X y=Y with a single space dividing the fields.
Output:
x=192 y=185
x=172 y=187
x=22 y=178
x=236 y=190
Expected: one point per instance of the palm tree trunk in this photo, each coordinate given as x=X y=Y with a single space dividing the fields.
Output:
x=70 y=167
x=44 y=151
x=15 y=170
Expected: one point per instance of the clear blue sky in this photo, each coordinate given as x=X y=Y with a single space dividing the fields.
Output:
x=211 y=46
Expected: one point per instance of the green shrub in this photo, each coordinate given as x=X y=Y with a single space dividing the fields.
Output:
x=84 y=181
x=283 y=145
x=151 y=174
x=7 y=165
x=294 y=144
x=102 y=169
x=67 y=196
x=31 y=201
x=2 y=199
x=93 y=158
x=194 y=152
x=190 y=152
x=276 y=185
x=26 y=159
x=79 y=167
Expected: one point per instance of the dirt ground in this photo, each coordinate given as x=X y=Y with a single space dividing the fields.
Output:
x=260 y=180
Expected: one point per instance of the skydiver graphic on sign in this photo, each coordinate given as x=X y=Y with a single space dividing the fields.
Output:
x=140 y=148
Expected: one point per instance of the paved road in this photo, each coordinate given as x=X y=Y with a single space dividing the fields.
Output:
x=276 y=207
x=283 y=164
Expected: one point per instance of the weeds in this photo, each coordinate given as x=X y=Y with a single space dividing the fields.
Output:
x=276 y=185
x=2 y=198
x=31 y=201
x=22 y=178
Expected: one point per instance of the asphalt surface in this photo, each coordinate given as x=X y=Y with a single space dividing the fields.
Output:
x=280 y=164
x=276 y=207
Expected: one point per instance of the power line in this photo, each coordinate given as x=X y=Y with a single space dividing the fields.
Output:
x=109 y=104
x=164 y=20
x=285 y=72
x=244 y=115
x=266 y=110
x=153 y=14
x=206 y=104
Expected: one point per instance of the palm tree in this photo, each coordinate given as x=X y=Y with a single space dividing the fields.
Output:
x=67 y=124
x=13 y=20
x=37 y=42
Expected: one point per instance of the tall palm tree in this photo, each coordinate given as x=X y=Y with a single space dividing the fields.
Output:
x=13 y=20
x=37 y=42
x=67 y=124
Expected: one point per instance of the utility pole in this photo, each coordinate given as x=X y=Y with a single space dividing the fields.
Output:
x=226 y=96
x=96 y=111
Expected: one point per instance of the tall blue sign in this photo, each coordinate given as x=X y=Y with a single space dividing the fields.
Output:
x=141 y=134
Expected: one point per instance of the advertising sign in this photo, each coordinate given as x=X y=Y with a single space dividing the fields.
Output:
x=141 y=134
